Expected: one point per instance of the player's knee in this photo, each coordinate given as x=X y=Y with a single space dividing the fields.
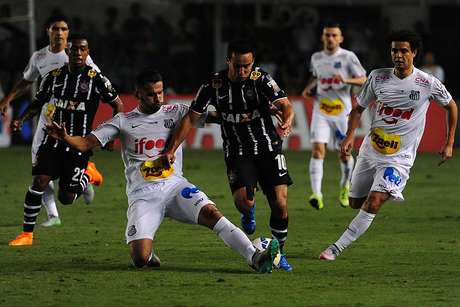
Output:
x=373 y=203
x=66 y=198
x=40 y=183
x=209 y=215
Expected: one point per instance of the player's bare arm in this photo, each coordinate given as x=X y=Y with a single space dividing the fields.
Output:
x=80 y=143
x=353 y=123
x=287 y=115
x=452 y=117
x=117 y=105
x=213 y=117
x=308 y=90
x=186 y=124
x=32 y=109
x=357 y=81
x=18 y=90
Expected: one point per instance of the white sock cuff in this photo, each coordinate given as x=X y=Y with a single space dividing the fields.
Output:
x=317 y=161
x=34 y=192
x=366 y=215
x=221 y=224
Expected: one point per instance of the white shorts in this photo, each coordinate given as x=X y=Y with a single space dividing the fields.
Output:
x=177 y=199
x=369 y=175
x=325 y=130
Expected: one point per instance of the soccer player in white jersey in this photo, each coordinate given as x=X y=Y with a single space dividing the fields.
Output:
x=334 y=71
x=42 y=62
x=402 y=95
x=155 y=188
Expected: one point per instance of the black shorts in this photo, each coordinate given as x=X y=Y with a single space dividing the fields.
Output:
x=269 y=170
x=67 y=165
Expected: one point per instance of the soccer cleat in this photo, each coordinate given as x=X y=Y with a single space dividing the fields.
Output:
x=23 y=239
x=154 y=261
x=52 y=221
x=329 y=253
x=343 y=197
x=316 y=201
x=88 y=194
x=248 y=221
x=262 y=261
x=95 y=177
x=284 y=264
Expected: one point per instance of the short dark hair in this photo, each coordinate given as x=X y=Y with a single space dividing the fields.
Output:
x=78 y=36
x=55 y=18
x=149 y=75
x=332 y=24
x=239 y=47
x=414 y=40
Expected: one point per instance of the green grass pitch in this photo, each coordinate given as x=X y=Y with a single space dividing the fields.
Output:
x=409 y=257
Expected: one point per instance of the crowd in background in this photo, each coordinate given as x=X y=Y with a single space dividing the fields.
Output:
x=183 y=51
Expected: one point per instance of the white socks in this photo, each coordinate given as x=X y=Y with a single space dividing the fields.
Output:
x=49 y=202
x=346 y=169
x=234 y=238
x=316 y=175
x=357 y=227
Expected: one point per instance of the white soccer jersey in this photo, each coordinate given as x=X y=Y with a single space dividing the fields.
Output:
x=143 y=137
x=333 y=97
x=398 y=119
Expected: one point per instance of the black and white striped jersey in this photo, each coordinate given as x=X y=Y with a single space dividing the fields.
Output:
x=244 y=107
x=73 y=98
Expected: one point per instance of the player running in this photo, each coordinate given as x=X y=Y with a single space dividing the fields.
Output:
x=155 y=188
x=402 y=96
x=42 y=62
x=72 y=93
x=334 y=71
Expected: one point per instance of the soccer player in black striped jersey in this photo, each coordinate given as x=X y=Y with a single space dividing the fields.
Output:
x=73 y=93
x=243 y=96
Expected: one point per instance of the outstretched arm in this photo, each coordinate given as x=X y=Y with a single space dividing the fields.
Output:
x=32 y=109
x=186 y=124
x=357 y=81
x=18 y=90
x=308 y=90
x=80 y=143
x=353 y=123
x=452 y=116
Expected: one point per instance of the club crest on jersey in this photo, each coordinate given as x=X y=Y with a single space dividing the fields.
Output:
x=216 y=83
x=255 y=75
x=92 y=73
x=384 y=143
x=338 y=65
x=169 y=123
x=84 y=87
x=56 y=72
x=414 y=95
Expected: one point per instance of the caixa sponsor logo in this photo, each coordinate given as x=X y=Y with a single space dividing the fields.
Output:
x=143 y=144
x=382 y=78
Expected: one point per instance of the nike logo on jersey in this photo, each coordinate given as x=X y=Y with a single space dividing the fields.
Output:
x=58 y=85
x=282 y=174
x=135 y=126
x=222 y=97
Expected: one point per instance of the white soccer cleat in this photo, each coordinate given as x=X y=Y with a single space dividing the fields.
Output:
x=329 y=254
x=88 y=194
x=52 y=221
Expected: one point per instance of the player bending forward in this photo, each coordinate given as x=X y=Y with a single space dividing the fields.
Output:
x=402 y=96
x=155 y=188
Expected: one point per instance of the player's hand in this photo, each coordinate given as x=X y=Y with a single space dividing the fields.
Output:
x=169 y=156
x=276 y=112
x=56 y=131
x=446 y=154
x=16 y=125
x=285 y=127
x=4 y=106
x=347 y=145
x=309 y=92
x=109 y=146
x=339 y=78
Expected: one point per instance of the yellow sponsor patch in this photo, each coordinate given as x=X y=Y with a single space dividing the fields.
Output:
x=50 y=110
x=156 y=169
x=92 y=73
x=384 y=143
x=255 y=75
x=331 y=106
x=56 y=72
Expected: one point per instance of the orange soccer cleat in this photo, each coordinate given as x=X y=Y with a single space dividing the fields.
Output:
x=24 y=238
x=95 y=177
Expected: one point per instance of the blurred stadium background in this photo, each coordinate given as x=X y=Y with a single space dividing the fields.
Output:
x=187 y=40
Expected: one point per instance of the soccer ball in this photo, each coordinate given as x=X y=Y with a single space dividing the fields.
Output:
x=261 y=243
